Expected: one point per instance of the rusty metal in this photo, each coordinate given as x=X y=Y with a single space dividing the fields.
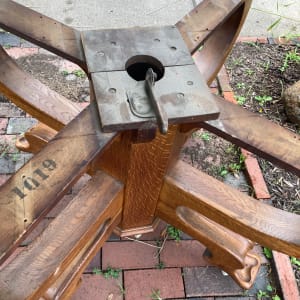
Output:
x=161 y=115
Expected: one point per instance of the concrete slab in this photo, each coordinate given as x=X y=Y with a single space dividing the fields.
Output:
x=89 y=14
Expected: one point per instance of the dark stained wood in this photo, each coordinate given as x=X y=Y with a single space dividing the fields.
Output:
x=82 y=223
x=42 y=31
x=203 y=20
x=224 y=20
x=226 y=249
x=188 y=187
x=38 y=185
x=256 y=134
x=34 y=97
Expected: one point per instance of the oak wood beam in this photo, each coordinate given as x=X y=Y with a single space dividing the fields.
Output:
x=187 y=187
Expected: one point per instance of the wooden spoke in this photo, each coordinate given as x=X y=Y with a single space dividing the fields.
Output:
x=36 y=187
x=42 y=31
x=213 y=26
x=257 y=134
x=226 y=249
x=187 y=187
x=34 y=97
x=87 y=220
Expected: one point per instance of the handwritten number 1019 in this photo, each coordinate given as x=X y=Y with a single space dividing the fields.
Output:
x=38 y=175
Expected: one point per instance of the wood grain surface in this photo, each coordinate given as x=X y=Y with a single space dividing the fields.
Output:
x=34 y=97
x=38 y=185
x=256 y=134
x=214 y=26
x=188 y=187
x=146 y=169
x=41 y=30
x=226 y=249
x=82 y=222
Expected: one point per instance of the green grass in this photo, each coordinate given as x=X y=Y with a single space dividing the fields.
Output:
x=108 y=273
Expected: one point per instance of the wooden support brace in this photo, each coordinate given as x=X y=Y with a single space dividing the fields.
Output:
x=187 y=187
x=81 y=228
x=47 y=177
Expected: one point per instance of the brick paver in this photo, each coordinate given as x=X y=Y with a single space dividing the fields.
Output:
x=183 y=254
x=3 y=125
x=9 y=110
x=209 y=281
x=141 y=284
x=129 y=255
x=20 y=125
x=96 y=287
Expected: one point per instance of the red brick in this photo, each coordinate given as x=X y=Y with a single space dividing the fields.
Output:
x=247 y=39
x=128 y=255
x=140 y=284
x=3 y=125
x=183 y=254
x=17 y=52
x=286 y=276
x=95 y=263
x=96 y=287
x=208 y=282
x=229 y=96
x=262 y=40
x=3 y=178
x=214 y=91
x=255 y=176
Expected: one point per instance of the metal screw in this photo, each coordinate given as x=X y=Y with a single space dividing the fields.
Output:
x=173 y=48
x=190 y=82
x=180 y=95
x=112 y=90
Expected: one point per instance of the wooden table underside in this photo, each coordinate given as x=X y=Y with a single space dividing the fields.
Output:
x=132 y=183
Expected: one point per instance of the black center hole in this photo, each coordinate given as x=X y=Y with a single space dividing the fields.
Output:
x=138 y=65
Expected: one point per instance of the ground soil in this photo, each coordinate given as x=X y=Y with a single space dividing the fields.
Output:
x=254 y=70
x=258 y=70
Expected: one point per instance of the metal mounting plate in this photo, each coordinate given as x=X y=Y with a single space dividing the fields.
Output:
x=122 y=102
x=187 y=100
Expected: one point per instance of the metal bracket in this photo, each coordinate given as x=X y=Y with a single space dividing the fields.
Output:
x=128 y=99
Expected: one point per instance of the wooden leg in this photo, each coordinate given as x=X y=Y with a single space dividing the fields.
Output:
x=187 y=187
x=226 y=249
x=213 y=25
x=80 y=229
